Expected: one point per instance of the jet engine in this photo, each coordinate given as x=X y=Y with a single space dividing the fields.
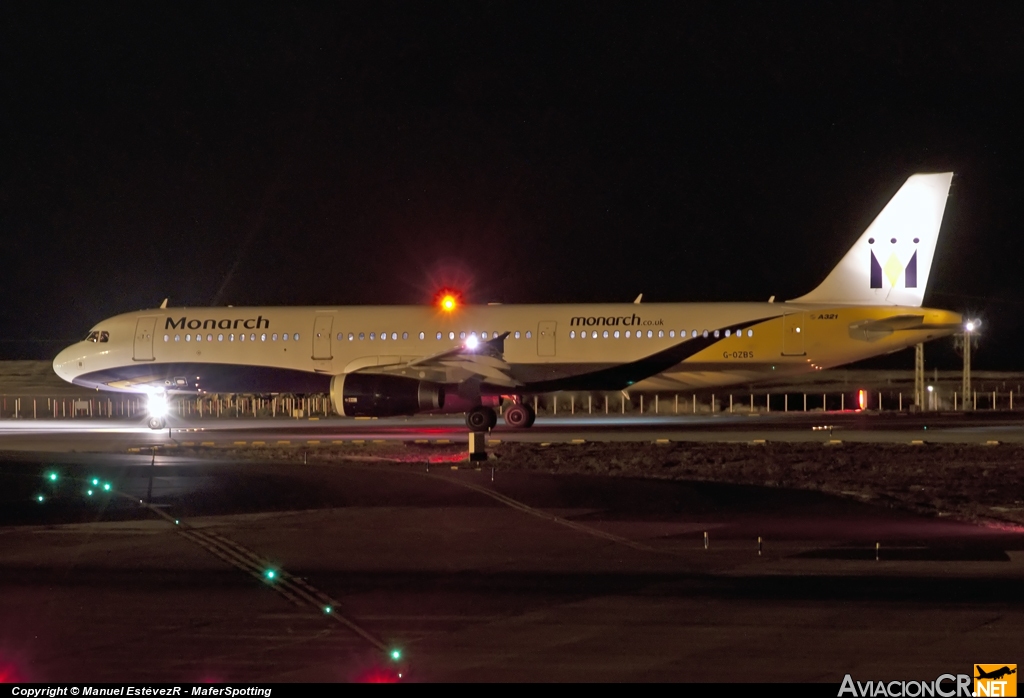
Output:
x=375 y=395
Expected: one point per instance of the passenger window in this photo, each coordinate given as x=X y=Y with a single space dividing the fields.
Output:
x=252 y=337
x=231 y=337
x=361 y=336
x=241 y=338
x=616 y=334
x=188 y=338
x=439 y=335
x=462 y=335
x=341 y=335
x=273 y=337
x=693 y=334
x=649 y=334
x=209 y=338
x=394 y=336
x=285 y=336
x=517 y=334
x=263 y=337
x=422 y=335
x=451 y=335
x=199 y=337
x=661 y=334
x=351 y=336
x=405 y=335
x=529 y=335
x=627 y=334
x=167 y=337
x=572 y=334
x=727 y=332
x=750 y=333
x=295 y=336
x=220 y=338
x=671 y=333
x=177 y=338
x=483 y=335
x=373 y=336
x=605 y=334
x=716 y=333
x=705 y=334
x=383 y=336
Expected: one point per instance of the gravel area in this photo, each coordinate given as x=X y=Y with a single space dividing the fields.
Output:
x=971 y=482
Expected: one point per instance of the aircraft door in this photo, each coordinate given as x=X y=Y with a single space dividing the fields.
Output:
x=546 y=338
x=322 y=337
x=794 y=327
x=144 y=339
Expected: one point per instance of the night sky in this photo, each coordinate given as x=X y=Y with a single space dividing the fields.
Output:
x=358 y=153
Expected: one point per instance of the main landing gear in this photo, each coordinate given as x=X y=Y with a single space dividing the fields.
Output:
x=520 y=416
x=517 y=416
x=481 y=419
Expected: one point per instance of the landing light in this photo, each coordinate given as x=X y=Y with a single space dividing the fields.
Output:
x=157 y=405
x=472 y=342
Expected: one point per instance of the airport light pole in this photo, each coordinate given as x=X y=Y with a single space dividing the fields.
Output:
x=919 y=377
x=969 y=327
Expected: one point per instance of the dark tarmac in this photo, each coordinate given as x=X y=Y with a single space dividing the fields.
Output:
x=529 y=577
x=103 y=435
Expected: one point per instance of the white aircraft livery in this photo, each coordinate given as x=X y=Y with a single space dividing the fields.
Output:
x=401 y=360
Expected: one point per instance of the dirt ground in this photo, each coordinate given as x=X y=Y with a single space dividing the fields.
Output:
x=970 y=482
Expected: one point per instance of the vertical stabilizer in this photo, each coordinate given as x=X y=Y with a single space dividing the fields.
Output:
x=890 y=263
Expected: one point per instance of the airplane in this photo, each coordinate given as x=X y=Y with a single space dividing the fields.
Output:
x=994 y=674
x=381 y=361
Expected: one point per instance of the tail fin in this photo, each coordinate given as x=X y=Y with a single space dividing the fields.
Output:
x=889 y=264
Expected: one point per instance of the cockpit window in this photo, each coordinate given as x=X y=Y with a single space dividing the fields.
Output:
x=95 y=336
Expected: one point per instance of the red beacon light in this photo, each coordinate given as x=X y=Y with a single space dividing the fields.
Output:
x=448 y=301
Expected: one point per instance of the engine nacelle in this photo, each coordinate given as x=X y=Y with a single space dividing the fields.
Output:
x=374 y=395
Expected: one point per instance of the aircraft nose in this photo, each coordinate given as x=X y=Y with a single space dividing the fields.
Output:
x=65 y=364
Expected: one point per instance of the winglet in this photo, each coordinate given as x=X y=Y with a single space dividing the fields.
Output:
x=637 y=301
x=164 y=304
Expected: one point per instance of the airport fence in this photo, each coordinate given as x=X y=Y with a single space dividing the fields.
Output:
x=130 y=407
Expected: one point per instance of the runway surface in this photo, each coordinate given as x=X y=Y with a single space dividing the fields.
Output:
x=887 y=427
x=526 y=577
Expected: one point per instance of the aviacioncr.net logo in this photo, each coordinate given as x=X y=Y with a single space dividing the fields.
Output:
x=945 y=686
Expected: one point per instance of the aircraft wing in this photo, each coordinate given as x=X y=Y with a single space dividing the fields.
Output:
x=483 y=362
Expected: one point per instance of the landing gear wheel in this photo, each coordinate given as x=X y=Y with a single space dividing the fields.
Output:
x=156 y=423
x=481 y=419
x=520 y=416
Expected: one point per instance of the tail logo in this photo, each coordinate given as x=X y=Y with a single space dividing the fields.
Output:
x=893 y=268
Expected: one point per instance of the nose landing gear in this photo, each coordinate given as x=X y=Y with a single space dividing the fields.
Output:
x=157 y=423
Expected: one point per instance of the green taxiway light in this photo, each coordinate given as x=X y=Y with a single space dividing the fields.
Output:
x=176 y=522
x=270 y=574
x=89 y=492
x=39 y=498
x=396 y=654
x=52 y=477
x=95 y=481
x=327 y=609
x=106 y=486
